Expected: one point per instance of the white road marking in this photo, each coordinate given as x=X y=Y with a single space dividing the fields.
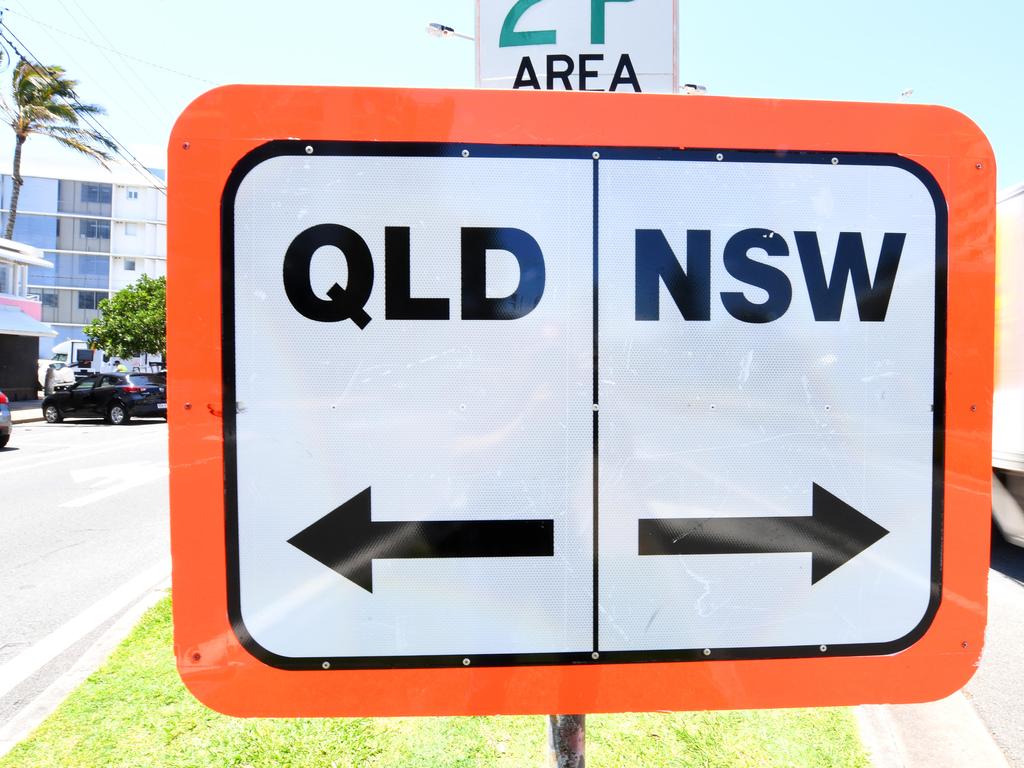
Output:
x=29 y=717
x=112 y=479
x=30 y=661
x=72 y=451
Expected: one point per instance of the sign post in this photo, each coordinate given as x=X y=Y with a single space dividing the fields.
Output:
x=533 y=44
x=566 y=741
x=512 y=403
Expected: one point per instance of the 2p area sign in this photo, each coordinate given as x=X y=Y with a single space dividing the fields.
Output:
x=492 y=402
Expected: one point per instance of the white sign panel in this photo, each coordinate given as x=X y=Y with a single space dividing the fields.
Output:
x=502 y=405
x=627 y=46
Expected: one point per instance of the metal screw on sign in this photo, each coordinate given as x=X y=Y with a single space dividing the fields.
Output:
x=567 y=741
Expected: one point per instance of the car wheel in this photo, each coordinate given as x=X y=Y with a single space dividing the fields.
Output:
x=118 y=414
x=52 y=414
x=4 y=439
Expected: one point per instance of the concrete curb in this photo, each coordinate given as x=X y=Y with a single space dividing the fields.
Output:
x=29 y=420
x=942 y=734
x=26 y=411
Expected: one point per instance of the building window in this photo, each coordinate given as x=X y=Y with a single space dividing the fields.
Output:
x=38 y=231
x=49 y=298
x=129 y=229
x=129 y=265
x=133 y=194
x=96 y=193
x=89 y=299
x=93 y=229
x=72 y=270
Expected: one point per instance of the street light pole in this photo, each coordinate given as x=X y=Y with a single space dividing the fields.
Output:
x=442 y=30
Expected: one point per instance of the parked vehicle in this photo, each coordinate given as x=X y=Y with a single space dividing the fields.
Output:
x=1008 y=401
x=70 y=360
x=64 y=361
x=117 y=397
x=5 y=421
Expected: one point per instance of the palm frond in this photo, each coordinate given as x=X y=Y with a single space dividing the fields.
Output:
x=101 y=156
x=79 y=134
x=44 y=101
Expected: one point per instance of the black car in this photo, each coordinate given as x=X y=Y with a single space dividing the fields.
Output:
x=117 y=397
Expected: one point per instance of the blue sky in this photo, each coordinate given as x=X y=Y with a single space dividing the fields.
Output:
x=963 y=55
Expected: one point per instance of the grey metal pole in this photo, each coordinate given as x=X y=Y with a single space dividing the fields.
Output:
x=567 y=741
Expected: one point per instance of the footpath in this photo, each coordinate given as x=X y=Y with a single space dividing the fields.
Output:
x=26 y=411
x=941 y=734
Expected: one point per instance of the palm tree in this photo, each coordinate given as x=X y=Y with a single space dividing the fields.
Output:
x=44 y=102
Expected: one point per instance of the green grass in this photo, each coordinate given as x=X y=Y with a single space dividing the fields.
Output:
x=135 y=712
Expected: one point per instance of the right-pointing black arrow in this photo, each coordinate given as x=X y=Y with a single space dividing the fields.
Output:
x=834 y=533
x=348 y=540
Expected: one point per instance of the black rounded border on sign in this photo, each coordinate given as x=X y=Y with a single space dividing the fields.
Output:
x=595 y=154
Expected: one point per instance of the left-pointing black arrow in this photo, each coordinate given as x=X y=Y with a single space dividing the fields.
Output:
x=348 y=540
x=833 y=533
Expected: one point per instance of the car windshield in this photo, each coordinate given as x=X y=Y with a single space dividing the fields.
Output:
x=148 y=380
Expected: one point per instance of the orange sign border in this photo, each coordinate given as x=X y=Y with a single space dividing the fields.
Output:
x=222 y=126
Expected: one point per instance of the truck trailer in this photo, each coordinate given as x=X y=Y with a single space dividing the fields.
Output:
x=1008 y=399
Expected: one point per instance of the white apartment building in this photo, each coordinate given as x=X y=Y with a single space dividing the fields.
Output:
x=100 y=228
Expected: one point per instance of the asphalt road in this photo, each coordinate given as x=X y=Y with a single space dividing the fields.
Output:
x=83 y=526
x=997 y=689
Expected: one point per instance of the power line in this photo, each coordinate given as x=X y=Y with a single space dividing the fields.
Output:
x=98 y=127
x=41 y=70
x=132 y=114
x=122 y=54
x=142 y=98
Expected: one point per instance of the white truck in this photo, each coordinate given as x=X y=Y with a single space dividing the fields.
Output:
x=1008 y=401
x=74 y=358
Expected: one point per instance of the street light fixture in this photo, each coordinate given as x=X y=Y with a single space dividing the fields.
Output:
x=441 y=30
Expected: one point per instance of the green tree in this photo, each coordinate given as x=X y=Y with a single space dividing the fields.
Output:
x=133 y=321
x=44 y=102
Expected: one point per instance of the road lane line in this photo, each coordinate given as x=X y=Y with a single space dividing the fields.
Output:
x=143 y=476
x=30 y=661
x=74 y=452
x=29 y=717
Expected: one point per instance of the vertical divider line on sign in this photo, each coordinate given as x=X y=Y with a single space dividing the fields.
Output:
x=596 y=412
